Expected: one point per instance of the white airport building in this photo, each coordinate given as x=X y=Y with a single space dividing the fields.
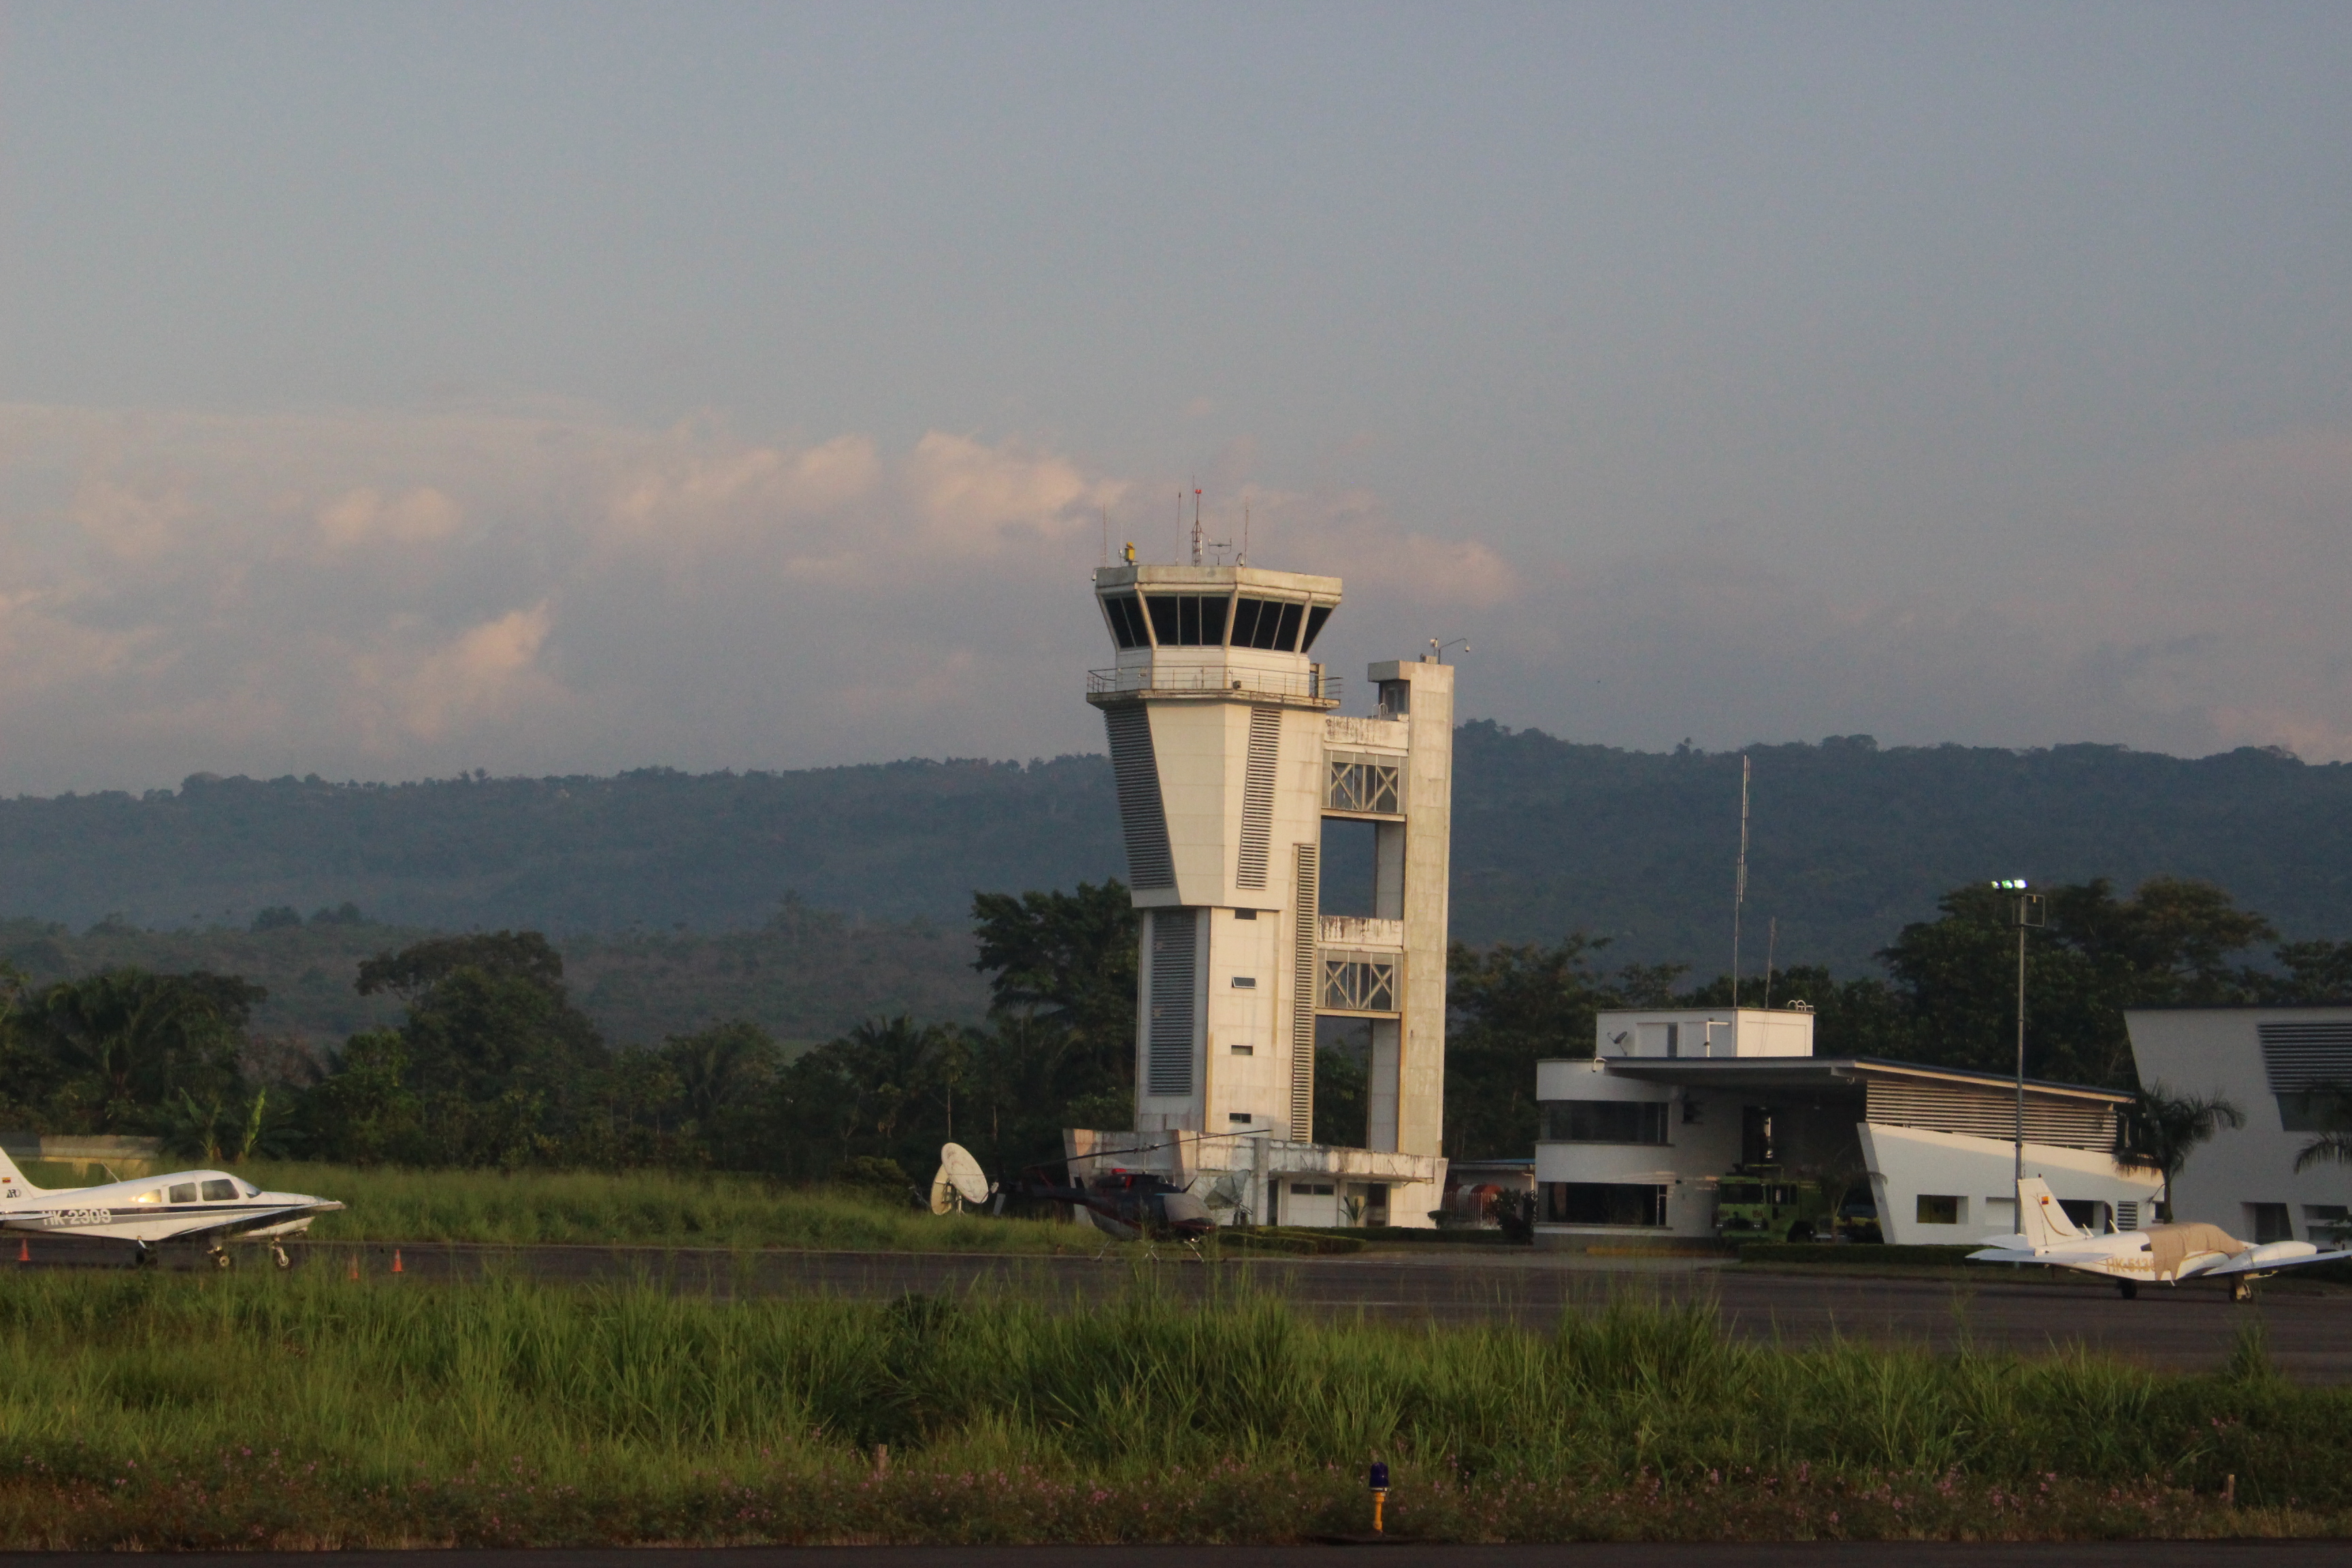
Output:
x=2278 y=1066
x=1231 y=757
x=1713 y=1123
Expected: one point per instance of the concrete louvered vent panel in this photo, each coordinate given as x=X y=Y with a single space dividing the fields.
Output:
x=1257 y=795
x=1306 y=928
x=1135 y=771
x=1168 y=1067
x=2305 y=1055
x=1989 y=1113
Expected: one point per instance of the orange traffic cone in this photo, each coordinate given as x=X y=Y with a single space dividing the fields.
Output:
x=395 y=1261
x=355 y=1265
x=23 y=1250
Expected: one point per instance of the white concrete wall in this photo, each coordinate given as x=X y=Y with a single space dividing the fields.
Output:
x=1247 y=1056
x=2207 y=1050
x=1906 y=1163
x=1693 y=1155
x=1705 y=1033
x=1429 y=823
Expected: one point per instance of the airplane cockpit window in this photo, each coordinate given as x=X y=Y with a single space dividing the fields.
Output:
x=184 y=1193
x=219 y=1190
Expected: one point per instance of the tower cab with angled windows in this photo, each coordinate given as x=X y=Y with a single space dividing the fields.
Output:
x=1239 y=779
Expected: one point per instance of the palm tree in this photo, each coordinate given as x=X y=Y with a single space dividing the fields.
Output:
x=2165 y=1129
x=2333 y=1146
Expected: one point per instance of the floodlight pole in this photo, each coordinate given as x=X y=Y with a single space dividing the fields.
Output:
x=2019 y=1174
x=2025 y=910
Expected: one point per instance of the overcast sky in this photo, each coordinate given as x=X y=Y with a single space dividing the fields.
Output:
x=391 y=390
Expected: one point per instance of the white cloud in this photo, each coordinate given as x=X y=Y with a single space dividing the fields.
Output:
x=365 y=516
x=392 y=596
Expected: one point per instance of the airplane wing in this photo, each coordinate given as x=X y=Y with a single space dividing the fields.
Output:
x=236 y=1225
x=2251 y=1265
x=2027 y=1255
x=265 y=1220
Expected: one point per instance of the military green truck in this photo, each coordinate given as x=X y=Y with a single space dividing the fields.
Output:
x=1763 y=1203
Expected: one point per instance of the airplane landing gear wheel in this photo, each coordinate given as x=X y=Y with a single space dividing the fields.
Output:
x=144 y=1257
x=221 y=1260
x=2128 y=1288
x=2241 y=1290
x=277 y=1256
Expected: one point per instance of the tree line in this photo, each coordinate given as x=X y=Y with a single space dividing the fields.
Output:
x=493 y=1065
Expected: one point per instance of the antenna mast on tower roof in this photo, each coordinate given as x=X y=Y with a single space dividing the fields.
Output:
x=1196 y=524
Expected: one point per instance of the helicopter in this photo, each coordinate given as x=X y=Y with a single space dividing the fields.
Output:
x=1124 y=1205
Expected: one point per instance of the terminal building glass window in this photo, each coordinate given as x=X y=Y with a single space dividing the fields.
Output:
x=1126 y=615
x=1267 y=624
x=1187 y=620
x=1639 y=1203
x=1603 y=1121
x=1354 y=984
x=1359 y=781
x=1199 y=620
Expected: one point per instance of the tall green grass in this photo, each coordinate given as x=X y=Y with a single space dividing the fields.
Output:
x=155 y=1410
x=655 y=1207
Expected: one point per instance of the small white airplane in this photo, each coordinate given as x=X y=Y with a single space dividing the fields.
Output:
x=2165 y=1254
x=209 y=1207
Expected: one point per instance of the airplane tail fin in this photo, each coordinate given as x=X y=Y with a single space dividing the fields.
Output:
x=12 y=1180
x=2039 y=1219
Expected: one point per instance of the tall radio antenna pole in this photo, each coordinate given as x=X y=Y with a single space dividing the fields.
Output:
x=1739 y=885
x=1196 y=523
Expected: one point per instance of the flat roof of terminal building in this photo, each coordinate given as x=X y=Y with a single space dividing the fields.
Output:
x=1820 y=1073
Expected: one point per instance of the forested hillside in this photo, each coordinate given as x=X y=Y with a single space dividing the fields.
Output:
x=1850 y=842
x=803 y=975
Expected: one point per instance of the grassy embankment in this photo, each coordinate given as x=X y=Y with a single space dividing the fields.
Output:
x=175 y=1410
x=644 y=1208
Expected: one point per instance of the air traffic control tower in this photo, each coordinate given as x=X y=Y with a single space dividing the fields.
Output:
x=1230 y=758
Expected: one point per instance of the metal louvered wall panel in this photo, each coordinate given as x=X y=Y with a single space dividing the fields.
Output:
x=1175 y=944
x=2306 y=1054
x=1305 y=930
x=1990 y=1113
x=1257 y=795
x=1135 y=771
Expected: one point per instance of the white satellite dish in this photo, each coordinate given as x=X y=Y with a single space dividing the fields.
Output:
x=959 y=1177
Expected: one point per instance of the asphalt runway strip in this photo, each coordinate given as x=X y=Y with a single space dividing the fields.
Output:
x=1396 y=1554
x=1997 y=1309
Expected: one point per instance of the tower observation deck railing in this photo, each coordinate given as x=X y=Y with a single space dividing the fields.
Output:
x=1210 y=680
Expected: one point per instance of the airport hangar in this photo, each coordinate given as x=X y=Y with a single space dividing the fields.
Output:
x=1642 y=1138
